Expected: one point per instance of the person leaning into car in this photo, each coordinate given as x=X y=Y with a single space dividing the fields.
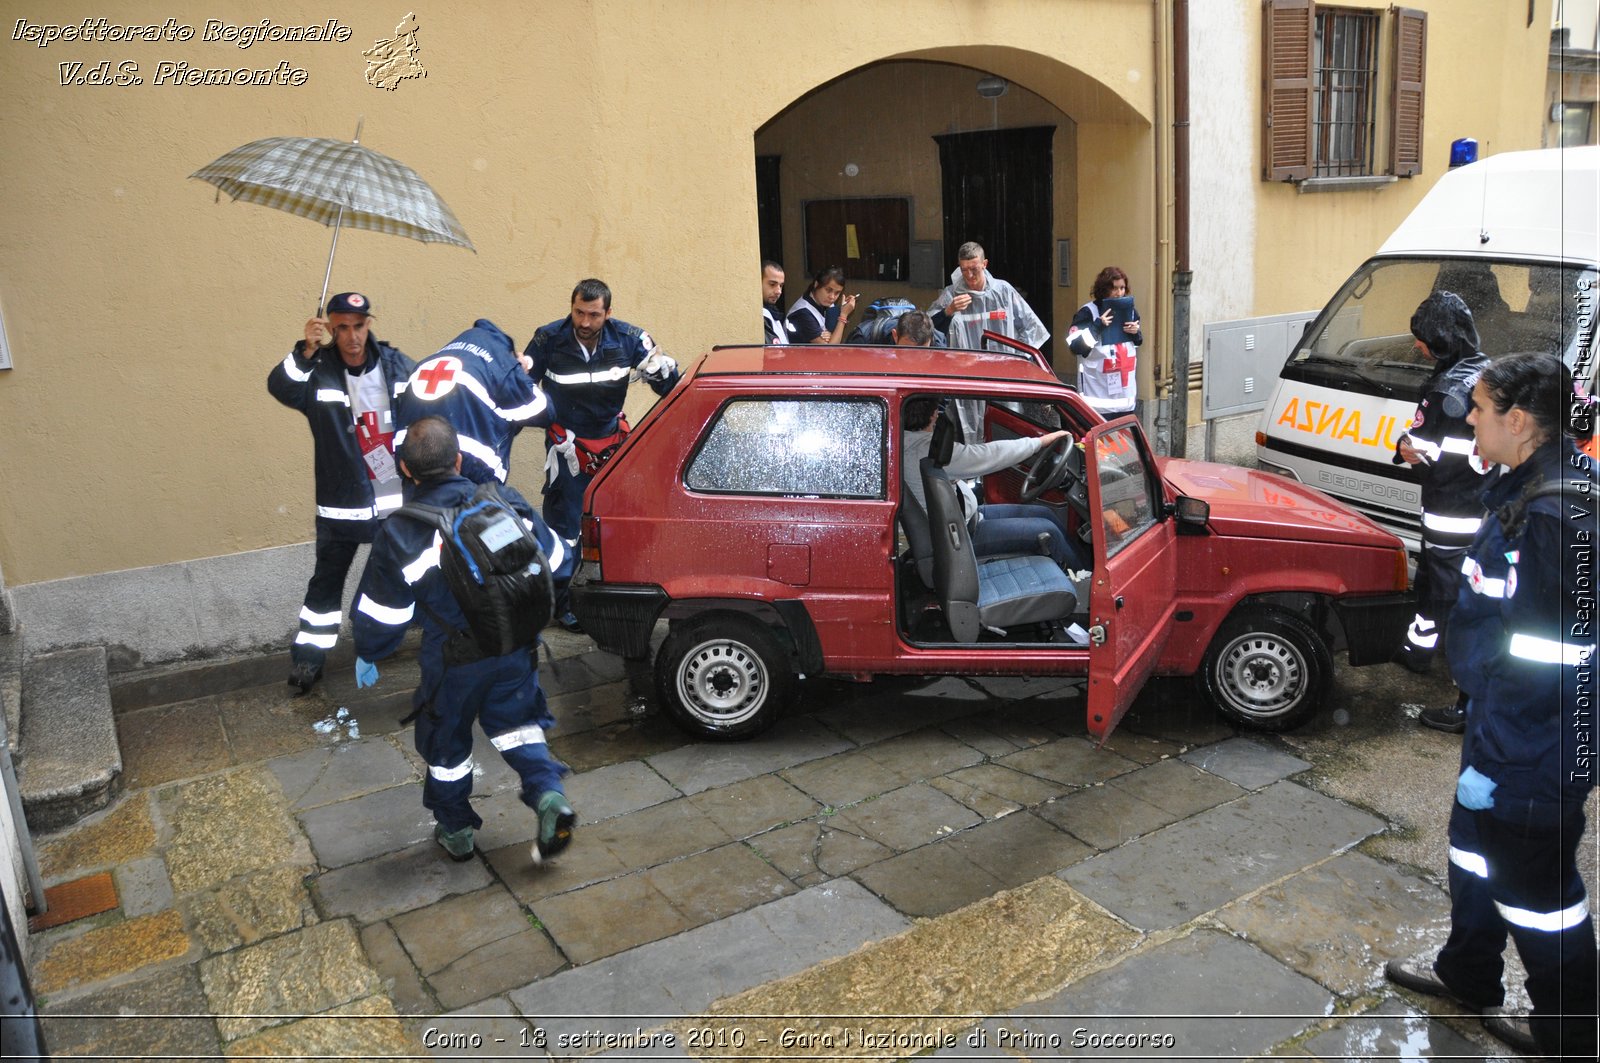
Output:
x=1000 y=529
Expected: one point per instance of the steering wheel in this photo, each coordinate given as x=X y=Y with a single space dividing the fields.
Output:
x=1048 y=469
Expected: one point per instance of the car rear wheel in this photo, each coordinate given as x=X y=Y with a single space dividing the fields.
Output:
x=723 y=677
x=1266 y=670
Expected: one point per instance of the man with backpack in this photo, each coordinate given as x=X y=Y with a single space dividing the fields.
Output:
x=480 y=624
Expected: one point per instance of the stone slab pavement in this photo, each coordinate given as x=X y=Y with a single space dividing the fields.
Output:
x=947 y=868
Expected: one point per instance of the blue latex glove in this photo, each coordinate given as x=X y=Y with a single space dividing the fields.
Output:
x=1475 y=790
x=367 y=674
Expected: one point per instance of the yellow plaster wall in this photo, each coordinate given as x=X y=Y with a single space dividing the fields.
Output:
x=1473 y=89
x=609 y=137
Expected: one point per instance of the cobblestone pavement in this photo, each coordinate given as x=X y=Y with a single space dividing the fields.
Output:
x=944 y=866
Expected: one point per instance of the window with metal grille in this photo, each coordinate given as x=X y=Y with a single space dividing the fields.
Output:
x=1344 y=72
x=1321 y=86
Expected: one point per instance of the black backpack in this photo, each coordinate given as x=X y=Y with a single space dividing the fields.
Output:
x=495 y=570
x=881 y=316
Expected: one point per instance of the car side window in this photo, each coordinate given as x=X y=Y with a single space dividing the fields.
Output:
x=829 y=447
x=1125 y=504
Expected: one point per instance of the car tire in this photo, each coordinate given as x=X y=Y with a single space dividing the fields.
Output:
x=1266 y=670
x=723 y=677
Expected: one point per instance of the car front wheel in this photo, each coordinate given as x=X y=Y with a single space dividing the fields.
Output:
x=1266 y=670
x=723 y=677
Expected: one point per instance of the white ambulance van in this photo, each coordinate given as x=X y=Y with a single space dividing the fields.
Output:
x=1514 y=235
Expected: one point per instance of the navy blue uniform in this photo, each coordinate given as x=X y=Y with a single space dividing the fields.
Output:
x=1452 y=480
x=502 y=693
x=773 y=326
x=1521 y=644
x=476 y=383
x=808 y=319
x=316 y=382
x=586 y=393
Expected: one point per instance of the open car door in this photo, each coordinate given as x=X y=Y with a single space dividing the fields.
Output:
x=1131 y=600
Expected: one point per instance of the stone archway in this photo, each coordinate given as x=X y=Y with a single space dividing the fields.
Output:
x=870 y=133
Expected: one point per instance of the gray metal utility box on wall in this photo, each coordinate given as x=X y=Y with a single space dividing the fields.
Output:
x=1240 y=364
x=1242 y=359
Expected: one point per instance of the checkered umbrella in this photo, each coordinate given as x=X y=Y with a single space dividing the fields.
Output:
x=337 y=183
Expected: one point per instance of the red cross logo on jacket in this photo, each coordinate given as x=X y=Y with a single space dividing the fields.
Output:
x=436 y=379
x=1123 y=362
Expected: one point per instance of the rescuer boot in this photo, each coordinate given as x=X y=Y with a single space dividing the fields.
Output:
x=1451 y=719
x=458 y=843
x=556 y=820
x=1512 y=1028
x=1416 y=973
x=303 y=676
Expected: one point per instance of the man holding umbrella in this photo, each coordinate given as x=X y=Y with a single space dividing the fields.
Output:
x=347 y=392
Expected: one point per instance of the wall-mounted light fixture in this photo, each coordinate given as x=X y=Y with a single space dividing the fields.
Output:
x=1557 y=111
x=992 y=88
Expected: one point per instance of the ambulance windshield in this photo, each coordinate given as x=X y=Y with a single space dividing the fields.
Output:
x=1362 y=342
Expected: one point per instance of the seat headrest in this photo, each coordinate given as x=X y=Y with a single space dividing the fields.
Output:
x=944 y=438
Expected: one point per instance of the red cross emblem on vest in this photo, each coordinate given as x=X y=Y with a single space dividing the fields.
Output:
x=436 y=379
x=1123 y=362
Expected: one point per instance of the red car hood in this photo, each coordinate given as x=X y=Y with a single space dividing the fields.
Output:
x=1263 y=505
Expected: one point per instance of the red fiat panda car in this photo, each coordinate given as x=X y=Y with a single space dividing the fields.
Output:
x=761 y=509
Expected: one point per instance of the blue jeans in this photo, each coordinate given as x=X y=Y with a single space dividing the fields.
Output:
x=1014 y=529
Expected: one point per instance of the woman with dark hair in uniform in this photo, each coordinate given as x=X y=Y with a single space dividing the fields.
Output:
x=820 y=315
x=1521 y=645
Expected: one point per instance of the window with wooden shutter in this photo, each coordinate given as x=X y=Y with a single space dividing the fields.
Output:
x=1410 y=63
x=1320 y=91
x=1286 y=54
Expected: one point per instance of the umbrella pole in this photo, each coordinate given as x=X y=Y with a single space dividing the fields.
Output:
x=326 y=276
x=337 y=221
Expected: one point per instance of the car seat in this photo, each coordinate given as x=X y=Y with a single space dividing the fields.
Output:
x=913 y=518
x=997 y=592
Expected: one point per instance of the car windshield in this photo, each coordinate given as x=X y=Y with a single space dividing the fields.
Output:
x=1362 y=341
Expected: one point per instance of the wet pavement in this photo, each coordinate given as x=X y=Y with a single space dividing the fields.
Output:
x=945 y=867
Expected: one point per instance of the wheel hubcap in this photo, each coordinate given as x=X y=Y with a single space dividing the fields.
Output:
x=1261 y=675
x=723 y=682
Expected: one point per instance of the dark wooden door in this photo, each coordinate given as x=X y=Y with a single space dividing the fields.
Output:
x=997 y=190
x=769 y=207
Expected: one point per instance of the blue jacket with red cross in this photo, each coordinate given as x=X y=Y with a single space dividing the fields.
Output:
x=476 y=383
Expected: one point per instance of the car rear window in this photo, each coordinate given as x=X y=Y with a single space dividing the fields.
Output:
x=828 y=447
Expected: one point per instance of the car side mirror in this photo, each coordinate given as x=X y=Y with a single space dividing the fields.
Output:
x=1193 y=515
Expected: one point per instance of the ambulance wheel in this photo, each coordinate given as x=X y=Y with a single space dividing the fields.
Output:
x=1266 y=670
x=723 y=677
